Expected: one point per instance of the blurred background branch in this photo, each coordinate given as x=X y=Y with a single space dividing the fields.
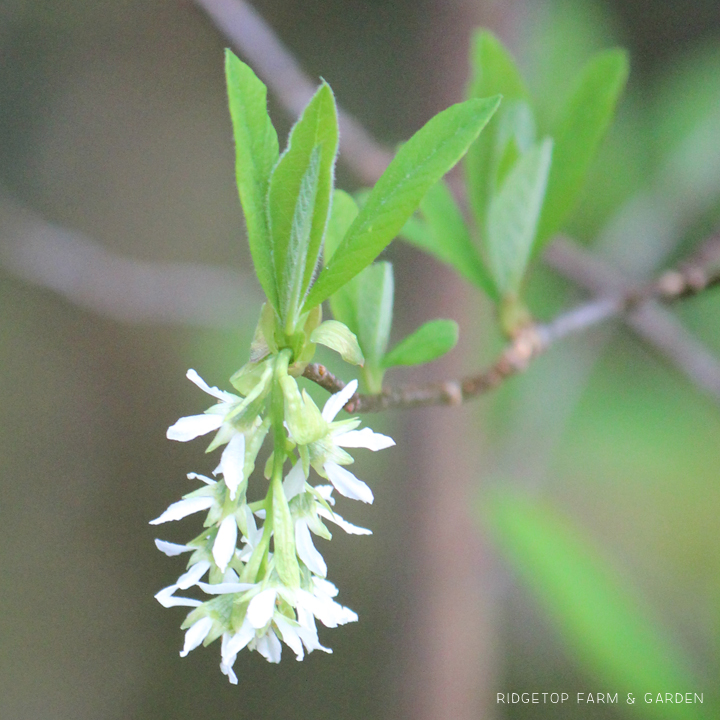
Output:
x=126 y=289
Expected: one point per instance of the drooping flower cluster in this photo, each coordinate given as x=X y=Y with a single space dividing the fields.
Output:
x=267 y=582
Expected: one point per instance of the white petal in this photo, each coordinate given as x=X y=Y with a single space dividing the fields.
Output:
x=364 y=438
x=344 y=524
x=261 y=608
x=230 y=576
x=306 y=550
x=182 y=508
x=238 y=641
x=269 y=647
x=290 y=636
x=338 y=401
x=192 y=576
x=196 y=634
x=204 y=478
x=188 y=428
x=227 y=669
x=224 y=588
x=171 y=549
x=325 y=492
x=232 y=463
x=308 y=631
x=294 y=483
x=324 y=587
x=192 y=376
x=225 y=540
x=228 y=660
x=166 y=598
x=327 y=611
x=347 y=484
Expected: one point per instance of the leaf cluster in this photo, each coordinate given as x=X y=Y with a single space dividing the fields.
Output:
x=292 y=211
x=522 y=182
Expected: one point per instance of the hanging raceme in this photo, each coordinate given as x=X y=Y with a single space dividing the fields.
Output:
x=256 y=573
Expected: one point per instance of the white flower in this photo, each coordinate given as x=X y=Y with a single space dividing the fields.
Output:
x=325 y=491
x=219 y=417
x=320 y=603
x=196 y=634
x=306 y=551
x=192 y=577
x=264 y=623
x=182 y=508
x=225 y=541
x=188 y=428
x=274 y=612
x=326 y=455
x=232 y=463
x=172 y=549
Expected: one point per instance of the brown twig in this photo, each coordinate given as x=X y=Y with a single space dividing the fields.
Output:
x=652 y=322
x=701 y=272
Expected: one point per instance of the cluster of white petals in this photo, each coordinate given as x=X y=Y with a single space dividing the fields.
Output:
x=244 y=601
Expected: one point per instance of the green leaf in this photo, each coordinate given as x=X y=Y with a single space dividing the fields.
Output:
x=342 y=214
x=445 y=235
x=418 y=165
x=290 y=285
x=493 y=71
x=514 y=136
x=256 y=152
x=365 y=304
x=284 y=532
x=343 y=302
x=578 y=133
x=513 y=217
x=607 y=628
x=299 y=199
x=426 y=344
x=375 y=291
x=338 y=337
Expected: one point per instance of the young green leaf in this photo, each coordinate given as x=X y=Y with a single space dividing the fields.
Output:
x=493 y=71
x=581 y=127
x=426 y=344
x=605 y=626
x=342 y=214
x=365 y=303
x=290 y=285
x=338 y=337
x=299 y=199
x=418 y=165
x=514 y=136
x=445 y=235
x=343 y=302
x=375 y=291
x=256 y=152
x=513 y=217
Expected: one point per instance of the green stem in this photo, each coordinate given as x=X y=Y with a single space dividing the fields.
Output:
x=258 y=560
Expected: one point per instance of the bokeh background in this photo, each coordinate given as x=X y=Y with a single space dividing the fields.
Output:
x=561 y=535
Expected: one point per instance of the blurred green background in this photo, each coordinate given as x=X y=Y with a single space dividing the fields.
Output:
x=559 y=536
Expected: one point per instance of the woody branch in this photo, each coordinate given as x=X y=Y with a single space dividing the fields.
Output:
x=698 y=273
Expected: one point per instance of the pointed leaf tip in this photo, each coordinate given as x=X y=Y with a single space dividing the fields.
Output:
x=418 y=165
